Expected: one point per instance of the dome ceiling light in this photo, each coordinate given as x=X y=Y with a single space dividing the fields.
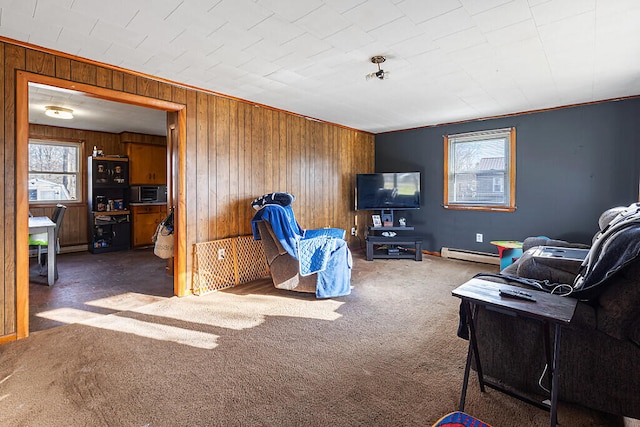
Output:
x=380 y=74
x=58 y=112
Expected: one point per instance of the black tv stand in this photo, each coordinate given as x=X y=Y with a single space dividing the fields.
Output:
x=379 y=246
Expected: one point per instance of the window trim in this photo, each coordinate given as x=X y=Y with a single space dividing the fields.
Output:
x=81 y=186
x=511 y=206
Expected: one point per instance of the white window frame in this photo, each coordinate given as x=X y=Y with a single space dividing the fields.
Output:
x=79 y=146
x=508 y=135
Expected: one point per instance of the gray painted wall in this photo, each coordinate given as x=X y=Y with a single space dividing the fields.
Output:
x=571 y=165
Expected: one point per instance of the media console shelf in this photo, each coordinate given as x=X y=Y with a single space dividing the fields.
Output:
x=392 y=247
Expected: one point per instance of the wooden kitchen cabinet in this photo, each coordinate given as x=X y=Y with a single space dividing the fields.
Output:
x=147 y=164
x=145 y=220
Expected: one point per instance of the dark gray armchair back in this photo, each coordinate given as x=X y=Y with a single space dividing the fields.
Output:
x=57 y=217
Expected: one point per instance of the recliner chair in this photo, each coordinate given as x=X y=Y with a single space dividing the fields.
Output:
x=284 y=268
x=312 y=261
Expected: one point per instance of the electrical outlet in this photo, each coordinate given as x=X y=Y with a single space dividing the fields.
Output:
x=479 y=237
x=353 y=231
x=221 y=253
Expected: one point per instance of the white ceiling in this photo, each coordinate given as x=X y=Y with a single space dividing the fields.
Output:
x=449 y=60
x=92 y=113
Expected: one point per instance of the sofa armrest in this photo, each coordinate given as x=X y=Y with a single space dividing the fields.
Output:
x=531 y=242
x=618 y=309
x=271 y=245
x=530 y=267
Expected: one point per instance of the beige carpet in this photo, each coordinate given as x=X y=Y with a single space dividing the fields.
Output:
x=387 y=355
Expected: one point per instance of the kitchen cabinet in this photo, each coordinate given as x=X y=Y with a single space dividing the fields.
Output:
x=148 y=164
x=145 y=218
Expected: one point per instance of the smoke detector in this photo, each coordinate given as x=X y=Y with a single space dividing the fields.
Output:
x=380 y=74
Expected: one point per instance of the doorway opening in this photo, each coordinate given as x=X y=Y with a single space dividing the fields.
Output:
x=105 y=269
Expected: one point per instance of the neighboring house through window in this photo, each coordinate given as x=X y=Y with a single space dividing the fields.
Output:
x=480 y=170
x=54 y=171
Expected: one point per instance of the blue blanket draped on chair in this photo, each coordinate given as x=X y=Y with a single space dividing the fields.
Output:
x=284 y=226
x=321 y=251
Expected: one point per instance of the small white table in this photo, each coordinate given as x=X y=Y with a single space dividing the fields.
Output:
x=41 y=224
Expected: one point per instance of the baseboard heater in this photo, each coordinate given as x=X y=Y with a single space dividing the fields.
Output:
x=72 y=249
x=63 y=249
x=466 y=255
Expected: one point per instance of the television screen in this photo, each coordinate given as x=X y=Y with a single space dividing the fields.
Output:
x=385 y=191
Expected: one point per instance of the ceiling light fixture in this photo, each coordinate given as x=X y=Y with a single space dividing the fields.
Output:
x=58 y=112
x=380 y=74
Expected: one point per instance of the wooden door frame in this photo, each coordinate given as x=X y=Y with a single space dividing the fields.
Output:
x=177 y=152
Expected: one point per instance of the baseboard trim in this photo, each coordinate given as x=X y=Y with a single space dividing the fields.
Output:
x=8 y=338
x=64 y=250
x=431 y=253
x=75 y=248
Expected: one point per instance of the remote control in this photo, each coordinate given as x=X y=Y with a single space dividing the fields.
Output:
x=517 y=294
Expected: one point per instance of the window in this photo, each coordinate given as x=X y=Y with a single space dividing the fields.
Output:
x=480 y=170
x=54 y=171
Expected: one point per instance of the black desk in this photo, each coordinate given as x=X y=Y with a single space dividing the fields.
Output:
x=548 y=308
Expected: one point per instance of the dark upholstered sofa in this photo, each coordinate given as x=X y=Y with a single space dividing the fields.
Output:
x=600 y=349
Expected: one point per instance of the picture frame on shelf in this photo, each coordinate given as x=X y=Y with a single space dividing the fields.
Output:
x=377 y=222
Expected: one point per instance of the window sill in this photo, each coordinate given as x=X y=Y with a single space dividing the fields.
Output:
x=480 y=208
x=53 y=203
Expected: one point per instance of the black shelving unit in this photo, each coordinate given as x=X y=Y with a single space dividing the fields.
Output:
x=108 y=199
x=392 y=247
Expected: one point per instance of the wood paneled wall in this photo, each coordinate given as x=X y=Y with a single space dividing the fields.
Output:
x=234 y=151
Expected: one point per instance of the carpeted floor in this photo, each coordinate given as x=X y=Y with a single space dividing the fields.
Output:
x=386 y=355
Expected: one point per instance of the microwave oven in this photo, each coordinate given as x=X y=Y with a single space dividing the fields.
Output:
x=148 y=193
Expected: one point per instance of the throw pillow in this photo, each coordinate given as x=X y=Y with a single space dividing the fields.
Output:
x=277 y=198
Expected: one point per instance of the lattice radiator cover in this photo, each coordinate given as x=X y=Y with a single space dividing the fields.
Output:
x=224 y=263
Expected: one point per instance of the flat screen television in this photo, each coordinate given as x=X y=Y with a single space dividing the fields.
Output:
x=388 y=191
